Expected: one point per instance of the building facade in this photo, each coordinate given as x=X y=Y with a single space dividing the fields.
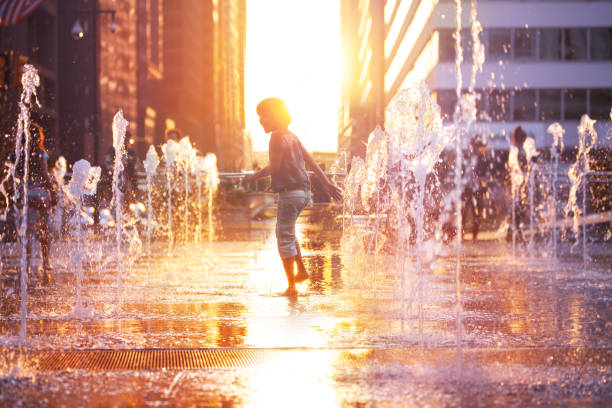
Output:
x=545 y=61
x=107 y=69
x=188 y=84
x=233 y=143
x=165 y=64
x=31 y=41
x=362 y=88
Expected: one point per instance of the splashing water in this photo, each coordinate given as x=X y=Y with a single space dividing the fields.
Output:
x=150 y=164
x=340 y=166
x=199 y=170
x=186 y=155
x=478 y=49
x=84 y=181
x=578 y=175
x=170 y=153
x=30 y=81
x=531 y=153
x=376 y=170
x=8 y=174
x=557 y=131
x=212 y=184
x=516 y=181
x=59 y=172
x=352 y=184
x=120 y=125
x=393 y=183
x=397 y=180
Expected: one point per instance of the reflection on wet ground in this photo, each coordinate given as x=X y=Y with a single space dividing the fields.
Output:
x=542 y=327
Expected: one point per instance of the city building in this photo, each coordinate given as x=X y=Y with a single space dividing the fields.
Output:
x=28 y=35
x=165 y=64
x=545 y=61
x=106 y=63
x=234 y=147
x=362 y=89
x=188 y=83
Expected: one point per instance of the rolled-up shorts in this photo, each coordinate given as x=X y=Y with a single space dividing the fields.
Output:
x=290 y=205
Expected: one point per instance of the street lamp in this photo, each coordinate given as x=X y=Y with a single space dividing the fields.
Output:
x=78 y=33
x=77 y=30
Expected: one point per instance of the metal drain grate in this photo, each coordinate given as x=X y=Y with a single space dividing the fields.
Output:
x=219 y=358
x=182 y=359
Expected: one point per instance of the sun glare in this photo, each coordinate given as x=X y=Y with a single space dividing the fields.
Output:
x=293 y=52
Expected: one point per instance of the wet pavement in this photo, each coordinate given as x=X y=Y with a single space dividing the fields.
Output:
x=531 y=331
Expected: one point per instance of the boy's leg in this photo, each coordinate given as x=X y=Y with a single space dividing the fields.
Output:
x=302 y=275
x=288 y=265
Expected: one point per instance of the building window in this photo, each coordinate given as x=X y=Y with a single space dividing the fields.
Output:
x=47 y=91
x=467 y=44
x=601 y=44
x=550 y=104
x=498 y=44
x=600 y=103
x=499 y=105
x=524 y=104
x=154 y=35
x=481 y=104
x=575 y=44
x=525 y=43
x=550 y=44
x=574 y=101
x=447 y=100
x=149 y=125
x=447 y=45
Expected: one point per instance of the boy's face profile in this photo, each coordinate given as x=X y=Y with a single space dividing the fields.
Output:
x=267 y=122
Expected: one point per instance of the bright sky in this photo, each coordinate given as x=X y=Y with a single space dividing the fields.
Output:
x=293 y=52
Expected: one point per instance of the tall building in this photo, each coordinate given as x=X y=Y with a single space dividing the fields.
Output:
x=545 y=61
x=203 y=85
x=164 y=63
x=188 y=84
x=233 y=143
x=362 y=90
x=29 y=36
x=114 y=64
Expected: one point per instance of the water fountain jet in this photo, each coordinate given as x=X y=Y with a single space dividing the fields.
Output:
x=556 y=148
x=150 y=164
x=30 y=81
x=170 y=152
x=84 y=181
x=120 y=125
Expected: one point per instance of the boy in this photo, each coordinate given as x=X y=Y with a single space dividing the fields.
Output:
x=288 y=161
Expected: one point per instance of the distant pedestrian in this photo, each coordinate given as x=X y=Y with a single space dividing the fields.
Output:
x=42 y=194
x=175 y=134
x=517 y=169
x=288 y=161
x=476 y=189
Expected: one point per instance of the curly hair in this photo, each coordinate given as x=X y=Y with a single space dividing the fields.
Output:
x=276 y=108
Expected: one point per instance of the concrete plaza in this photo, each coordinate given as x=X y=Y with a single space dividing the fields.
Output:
x=205 y=325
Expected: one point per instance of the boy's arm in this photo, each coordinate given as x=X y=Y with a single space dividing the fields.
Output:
x=333 y=191
x=276 y=157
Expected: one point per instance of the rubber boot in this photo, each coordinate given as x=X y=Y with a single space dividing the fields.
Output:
x=302 y=275
x=288 y=265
